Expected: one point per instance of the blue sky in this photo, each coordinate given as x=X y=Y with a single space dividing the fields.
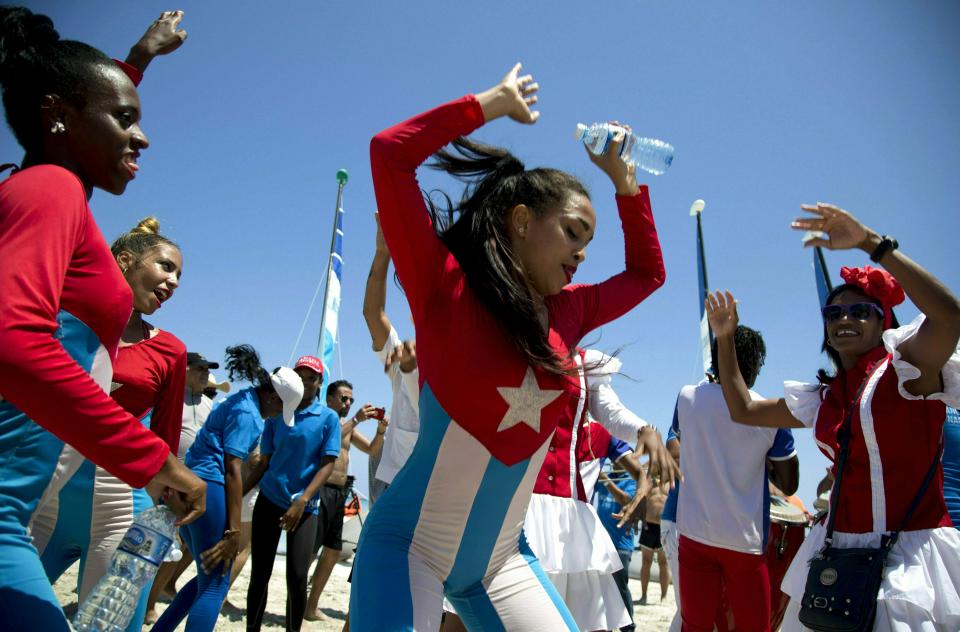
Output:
x=769 y=104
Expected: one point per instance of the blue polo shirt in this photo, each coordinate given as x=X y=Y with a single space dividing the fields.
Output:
x=232 y=428
x=295 y=452
x=606 y=506
x=670 y=506
x=951 y=465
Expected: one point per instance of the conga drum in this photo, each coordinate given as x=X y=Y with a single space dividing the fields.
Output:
x=788 y=528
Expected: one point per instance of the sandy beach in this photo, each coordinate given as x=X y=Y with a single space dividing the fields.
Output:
x=333 y=604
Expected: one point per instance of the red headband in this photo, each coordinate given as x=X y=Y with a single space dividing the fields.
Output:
x=877 y=284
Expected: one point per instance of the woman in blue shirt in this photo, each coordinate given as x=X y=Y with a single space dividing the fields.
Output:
x=294 y=464
x=224 y=442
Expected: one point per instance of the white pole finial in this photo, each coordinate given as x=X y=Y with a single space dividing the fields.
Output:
x=697 y=207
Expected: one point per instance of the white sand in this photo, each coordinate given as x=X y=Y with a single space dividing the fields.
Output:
x=333 y=604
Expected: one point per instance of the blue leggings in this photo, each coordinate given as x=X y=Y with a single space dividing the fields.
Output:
x=202 y=597
x=92 y=514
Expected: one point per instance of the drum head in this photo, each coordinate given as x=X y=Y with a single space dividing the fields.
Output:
x=783 y=512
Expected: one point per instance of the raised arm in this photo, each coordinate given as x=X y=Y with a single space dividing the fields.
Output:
x=936 y=339
x=395 y=154
x=594 y=305
x=375 y=296
x=768 y=413
x=162 y=37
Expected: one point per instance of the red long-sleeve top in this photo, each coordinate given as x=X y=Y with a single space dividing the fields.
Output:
x=462 y=351
x=149 y=377
x=56 y=259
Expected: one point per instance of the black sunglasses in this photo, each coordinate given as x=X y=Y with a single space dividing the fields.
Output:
x=857 y=311
x=346 y=399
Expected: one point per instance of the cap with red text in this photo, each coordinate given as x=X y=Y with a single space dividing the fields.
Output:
x=311 y=362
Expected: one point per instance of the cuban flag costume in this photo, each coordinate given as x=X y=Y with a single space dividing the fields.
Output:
x=450 y=524
x=63 y=309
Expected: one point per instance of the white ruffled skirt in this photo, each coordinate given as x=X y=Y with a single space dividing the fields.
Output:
x=921 y=586
x=578 y=556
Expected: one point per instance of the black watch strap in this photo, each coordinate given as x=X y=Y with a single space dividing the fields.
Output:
x=887 y=243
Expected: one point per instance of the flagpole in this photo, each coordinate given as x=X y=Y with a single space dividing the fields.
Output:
x=342 y=178
x=822 y=275
x=706 y=336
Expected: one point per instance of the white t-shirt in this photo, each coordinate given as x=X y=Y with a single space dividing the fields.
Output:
x=725 y=501
x=404 y=425
x=196 y=408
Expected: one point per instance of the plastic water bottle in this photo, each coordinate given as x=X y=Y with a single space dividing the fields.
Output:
x=649 y=154
x=110 y=605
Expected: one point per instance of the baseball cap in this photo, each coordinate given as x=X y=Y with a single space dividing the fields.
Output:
x=197 y=359
x=212 y=382
x=311 y=362
x=289 y=387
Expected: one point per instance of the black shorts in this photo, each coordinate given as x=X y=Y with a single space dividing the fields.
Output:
x=330 y=529
x=650 y=536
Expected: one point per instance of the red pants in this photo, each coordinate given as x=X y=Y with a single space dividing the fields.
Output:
x=707 y=572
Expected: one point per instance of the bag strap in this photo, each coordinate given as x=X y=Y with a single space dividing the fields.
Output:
x=892 y=539
x=844 y=438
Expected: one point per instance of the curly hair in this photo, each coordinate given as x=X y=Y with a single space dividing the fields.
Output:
x=751 y=353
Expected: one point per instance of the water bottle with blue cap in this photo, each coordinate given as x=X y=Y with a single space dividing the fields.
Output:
x=650 y=154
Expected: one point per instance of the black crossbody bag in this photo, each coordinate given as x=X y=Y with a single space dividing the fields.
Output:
x=842 y=584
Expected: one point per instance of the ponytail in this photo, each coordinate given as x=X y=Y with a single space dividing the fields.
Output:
x=243 y=363
x=475 y=232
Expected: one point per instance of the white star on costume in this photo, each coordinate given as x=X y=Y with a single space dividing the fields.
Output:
x=525 y=402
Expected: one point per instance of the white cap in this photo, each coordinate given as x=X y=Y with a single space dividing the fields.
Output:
x=289 y=387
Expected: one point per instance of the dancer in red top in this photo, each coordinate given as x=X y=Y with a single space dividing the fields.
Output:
x=90 y=516
x=65 y=303
x=908 y=375
x=497 y=323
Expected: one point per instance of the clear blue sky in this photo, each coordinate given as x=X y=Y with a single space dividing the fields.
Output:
x=769 y=104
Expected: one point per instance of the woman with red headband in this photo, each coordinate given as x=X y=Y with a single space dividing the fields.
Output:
x=880 y=418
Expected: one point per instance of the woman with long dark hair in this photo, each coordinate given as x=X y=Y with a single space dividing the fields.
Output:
x=94 y=509
x=226 y=439
x=497 y=324
x=880 y=417
x=65 y=303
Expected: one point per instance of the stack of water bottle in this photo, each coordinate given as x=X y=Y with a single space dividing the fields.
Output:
x=112 y=602
x=649 y=154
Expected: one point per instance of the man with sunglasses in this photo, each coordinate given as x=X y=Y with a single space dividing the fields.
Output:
x=333 y=494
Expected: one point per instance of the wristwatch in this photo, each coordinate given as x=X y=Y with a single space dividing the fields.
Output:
x=887 y=243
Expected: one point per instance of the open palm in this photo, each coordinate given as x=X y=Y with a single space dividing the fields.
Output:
x=722 y=313
x=843 y=230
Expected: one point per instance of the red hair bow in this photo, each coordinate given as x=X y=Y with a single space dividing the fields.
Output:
x=877 y=284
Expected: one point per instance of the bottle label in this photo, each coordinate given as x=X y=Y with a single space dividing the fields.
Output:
x=146 y=543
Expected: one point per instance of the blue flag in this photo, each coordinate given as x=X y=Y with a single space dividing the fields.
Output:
x=331 y=306
x=824 y=286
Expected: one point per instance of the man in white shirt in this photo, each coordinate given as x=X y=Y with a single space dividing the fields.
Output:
x=400 y=360
x=723 y=509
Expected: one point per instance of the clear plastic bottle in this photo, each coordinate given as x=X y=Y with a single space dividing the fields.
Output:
x=110 y=605
x=649 y=154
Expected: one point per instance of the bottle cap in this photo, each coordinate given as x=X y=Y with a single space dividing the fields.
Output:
x=581 y=131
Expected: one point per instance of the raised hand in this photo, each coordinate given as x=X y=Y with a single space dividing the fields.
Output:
x=722 y=313
x=162 y=37
x=623 y=176
x=512 y=97
x=843 y=230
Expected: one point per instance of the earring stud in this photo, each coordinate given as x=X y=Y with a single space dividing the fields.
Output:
x=58 y=128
